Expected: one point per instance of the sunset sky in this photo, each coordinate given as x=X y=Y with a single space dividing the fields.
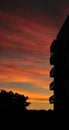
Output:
x=27 y=29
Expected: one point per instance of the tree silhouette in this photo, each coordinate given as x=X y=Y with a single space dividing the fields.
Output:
x=13 y=101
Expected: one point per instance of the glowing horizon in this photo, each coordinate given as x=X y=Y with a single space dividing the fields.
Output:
x=26 y=33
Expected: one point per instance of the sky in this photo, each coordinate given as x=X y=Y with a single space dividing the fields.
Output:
x=27 y=29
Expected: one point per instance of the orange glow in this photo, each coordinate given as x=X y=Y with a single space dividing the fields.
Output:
x=26 y=33
x=24 y=49
x=38 y=101
x=13 y=74
x=35 y=97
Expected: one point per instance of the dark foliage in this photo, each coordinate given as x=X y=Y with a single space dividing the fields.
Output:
x=13 y=113
x=10 y=101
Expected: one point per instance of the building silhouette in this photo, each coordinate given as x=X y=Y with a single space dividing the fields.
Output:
x=59 y=51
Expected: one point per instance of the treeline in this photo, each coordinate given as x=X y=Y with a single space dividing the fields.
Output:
x=13 y=109
x=13 y=102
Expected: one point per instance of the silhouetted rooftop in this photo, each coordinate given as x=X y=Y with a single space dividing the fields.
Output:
x=64 y=31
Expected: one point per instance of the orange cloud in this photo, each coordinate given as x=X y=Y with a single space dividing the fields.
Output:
x=35 y=97
x=24 y=53
x=38 y=101
x=30 y=95
x=14 y=74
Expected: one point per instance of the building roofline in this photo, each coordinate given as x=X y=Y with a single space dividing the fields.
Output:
x=64 y=27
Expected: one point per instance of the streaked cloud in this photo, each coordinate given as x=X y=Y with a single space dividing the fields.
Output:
x=36 y=76
x=26 y=31
x=24 y=54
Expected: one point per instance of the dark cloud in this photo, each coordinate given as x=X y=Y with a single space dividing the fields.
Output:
x=50 y=6
x=55 y=10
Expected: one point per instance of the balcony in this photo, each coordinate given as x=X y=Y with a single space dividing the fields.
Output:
x=52 y=85
x=52 y=72
x=52 y=59
x=51 y=99
x=52 y=47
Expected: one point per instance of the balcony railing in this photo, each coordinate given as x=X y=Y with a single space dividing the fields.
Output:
x=52 y=72
x=51 y=99
x=52 y=59
x=52 y=47
x=52 y=85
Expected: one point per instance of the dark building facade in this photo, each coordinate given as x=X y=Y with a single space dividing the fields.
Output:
x=59 y=51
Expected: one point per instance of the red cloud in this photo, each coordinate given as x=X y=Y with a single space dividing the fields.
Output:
x=24 y=51
x=30 y=35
